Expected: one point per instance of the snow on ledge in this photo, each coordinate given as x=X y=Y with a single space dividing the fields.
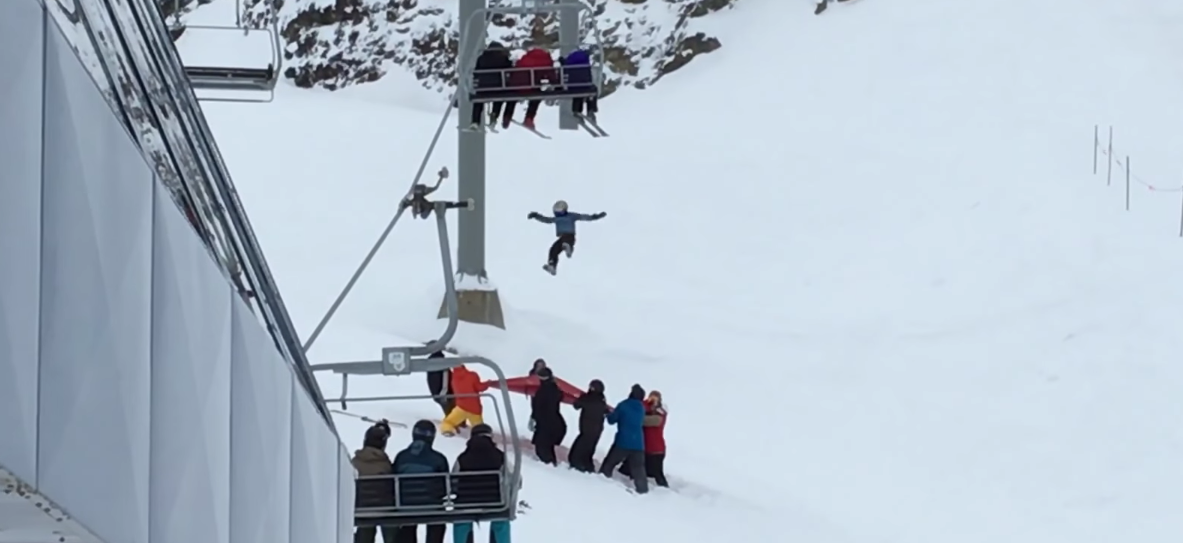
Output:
x=473 y=282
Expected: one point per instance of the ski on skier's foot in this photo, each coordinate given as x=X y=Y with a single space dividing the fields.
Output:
x=588 y=122
x=536 y=133
x=586 y=127
x=550 y=269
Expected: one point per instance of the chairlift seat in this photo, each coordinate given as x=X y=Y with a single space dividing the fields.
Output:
x=557 y=94
x=201 y=77
x=365 y=520
x=468 y=497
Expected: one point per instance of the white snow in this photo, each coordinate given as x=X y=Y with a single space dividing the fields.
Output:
x=863 y=254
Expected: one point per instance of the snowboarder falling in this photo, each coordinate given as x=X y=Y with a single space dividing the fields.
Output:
x=564 y=222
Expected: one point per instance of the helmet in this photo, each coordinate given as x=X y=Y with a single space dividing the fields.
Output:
x=481 y=429
x=596 y=386
x=560 y=206
x=424 y=430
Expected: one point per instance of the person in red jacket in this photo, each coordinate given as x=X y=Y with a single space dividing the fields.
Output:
x=653 y=427
x=466 y=385
x=534 y=72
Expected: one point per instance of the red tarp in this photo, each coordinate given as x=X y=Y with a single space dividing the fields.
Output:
x=527 y=386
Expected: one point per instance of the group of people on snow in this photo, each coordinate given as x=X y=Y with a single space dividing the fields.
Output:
x=375 y=489
x=638 y=447
x=498 y=76
x=638 y=451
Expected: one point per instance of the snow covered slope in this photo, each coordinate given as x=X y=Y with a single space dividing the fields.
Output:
x=862 y=254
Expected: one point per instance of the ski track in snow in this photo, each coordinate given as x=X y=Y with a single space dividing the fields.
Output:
x=863 y=255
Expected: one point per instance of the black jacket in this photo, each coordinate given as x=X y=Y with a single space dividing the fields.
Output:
x=494 y=58
x=481 y=454
x=593 y=407
x=546 y=410
x=435 y=383
x=421 y=460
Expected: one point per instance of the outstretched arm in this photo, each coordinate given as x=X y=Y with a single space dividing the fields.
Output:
x=592 y=217
x=540 y=217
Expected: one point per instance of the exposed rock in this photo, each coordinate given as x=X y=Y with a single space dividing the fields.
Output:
x=359 y=41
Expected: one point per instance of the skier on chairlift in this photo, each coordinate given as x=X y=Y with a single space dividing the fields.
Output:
x=489 y=80
x=533 y=73
x=564 y=222
x=578 y=79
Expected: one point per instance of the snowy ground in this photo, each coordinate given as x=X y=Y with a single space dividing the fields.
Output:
x=863 y=255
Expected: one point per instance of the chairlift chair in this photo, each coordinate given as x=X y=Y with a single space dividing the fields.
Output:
x=250 y=84
x=403 y=361
x=560 y=89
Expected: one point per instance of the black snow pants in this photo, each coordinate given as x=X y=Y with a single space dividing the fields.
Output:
x=636 y=466
x=545 y=440
x=654 y=469
x=478 y=110
x=556 y=248
x=531 y=110
x=593 y=106
x=583 y=451
x=410 y=534
x=368 y=534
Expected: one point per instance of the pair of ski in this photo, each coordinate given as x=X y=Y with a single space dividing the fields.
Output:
x=590 y=126
x=492 y=128
x=567 y=250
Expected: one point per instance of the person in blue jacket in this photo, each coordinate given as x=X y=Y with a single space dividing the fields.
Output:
x=630 y=439
x=564 y=222
x=577 y=75
x=422 y=460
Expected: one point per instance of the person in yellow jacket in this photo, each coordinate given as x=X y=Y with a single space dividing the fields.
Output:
x=466 y=385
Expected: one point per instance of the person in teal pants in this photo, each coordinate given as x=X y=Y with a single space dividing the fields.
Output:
x=480 y=454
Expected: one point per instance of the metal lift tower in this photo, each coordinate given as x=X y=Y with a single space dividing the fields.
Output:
x=479 y=301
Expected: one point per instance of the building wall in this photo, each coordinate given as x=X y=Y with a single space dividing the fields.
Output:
x=137 y=391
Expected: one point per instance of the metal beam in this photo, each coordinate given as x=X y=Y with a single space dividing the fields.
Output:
x=568 y=42
x=470 y=164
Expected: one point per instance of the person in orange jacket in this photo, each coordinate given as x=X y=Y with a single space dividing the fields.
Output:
x=466 y=384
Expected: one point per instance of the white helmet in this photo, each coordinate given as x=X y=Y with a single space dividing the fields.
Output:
x=560 y=206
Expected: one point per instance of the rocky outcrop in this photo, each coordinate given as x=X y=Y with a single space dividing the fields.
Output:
x=358 y=41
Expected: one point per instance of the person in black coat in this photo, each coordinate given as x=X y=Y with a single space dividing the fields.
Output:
x=546 y=411
x=592 y=407
x=480 y=454
x=489 y=80
x=440 y=385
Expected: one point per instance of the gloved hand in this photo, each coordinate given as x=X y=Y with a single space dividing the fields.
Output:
x=530 y=425
x=533 y=215
x=601 y=215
